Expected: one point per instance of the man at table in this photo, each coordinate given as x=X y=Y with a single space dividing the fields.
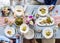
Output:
x=44 y=2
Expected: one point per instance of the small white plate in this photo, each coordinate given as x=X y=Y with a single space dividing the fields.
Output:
x=44 y=33
x=27 y=28
x=9 y=29
x=29 y=34
x=39 y=12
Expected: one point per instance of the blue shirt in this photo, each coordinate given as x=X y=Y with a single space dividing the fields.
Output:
x=48 y=2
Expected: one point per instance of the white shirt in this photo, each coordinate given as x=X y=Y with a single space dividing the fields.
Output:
x=42 y=1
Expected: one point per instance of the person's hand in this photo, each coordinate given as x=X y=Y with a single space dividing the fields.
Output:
x=51 y=8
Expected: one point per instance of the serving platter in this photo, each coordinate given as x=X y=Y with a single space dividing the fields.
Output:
x=41 y=21
x=24 y=28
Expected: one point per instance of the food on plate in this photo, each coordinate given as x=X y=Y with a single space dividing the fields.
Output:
x=18 y=21
x=48 y=33
x=5 y=11
x=47 y=20
x=18 y=10
x=6 y=20
x=43 y=11
x=9 y=32
x=24 y=28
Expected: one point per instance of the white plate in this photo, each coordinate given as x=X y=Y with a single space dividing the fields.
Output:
x=39 y=12
x=12 y=31
x=40 y=19
x=44 y=33
x=29 y=34
x=19 y=8
x=27 y=28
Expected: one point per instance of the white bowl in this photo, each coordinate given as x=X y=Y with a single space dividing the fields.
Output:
x=27 y=28
x=40 y=19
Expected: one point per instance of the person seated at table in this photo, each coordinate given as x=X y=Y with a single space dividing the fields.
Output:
x=45 y=2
